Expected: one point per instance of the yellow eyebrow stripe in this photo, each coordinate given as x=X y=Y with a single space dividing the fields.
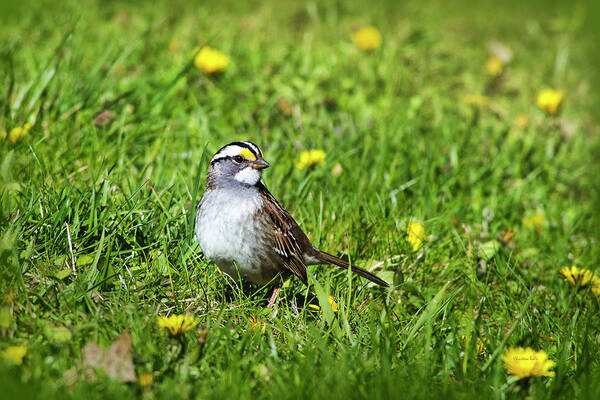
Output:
x=248 y=154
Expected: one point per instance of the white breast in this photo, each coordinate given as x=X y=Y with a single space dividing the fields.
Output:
x=225 y=229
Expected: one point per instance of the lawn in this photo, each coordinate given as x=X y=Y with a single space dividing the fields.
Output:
x=449 y=170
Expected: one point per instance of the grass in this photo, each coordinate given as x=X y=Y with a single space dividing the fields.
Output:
x=97 y=209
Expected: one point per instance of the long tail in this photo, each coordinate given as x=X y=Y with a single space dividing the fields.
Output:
x=329 y=259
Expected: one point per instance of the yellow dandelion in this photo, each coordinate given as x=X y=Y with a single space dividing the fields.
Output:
x=550 y=101
x=476 y=100
x=522 y=121
x=177 y=324
x=17 y=133
x=494 y=66
x=527 y=363
x=146 y=379
x=415 y=234
x=3 y=135
x=334 y=305
x=577 y=277
x=14 y=354
x=367 y=38
x=310 y=159
x=534 y=222
x=211 y=61
x=581 y=277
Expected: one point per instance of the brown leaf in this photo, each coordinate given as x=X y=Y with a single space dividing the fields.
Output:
x=506 y=236
x=285 y=106
x=115 y=361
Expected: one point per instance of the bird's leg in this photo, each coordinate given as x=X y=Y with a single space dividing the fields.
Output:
x=273 y=297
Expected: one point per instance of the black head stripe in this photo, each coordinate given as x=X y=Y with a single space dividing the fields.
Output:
x=224 y=154
x=250 y=146
x=254 y=148
x=216 y=160
x=247 y=145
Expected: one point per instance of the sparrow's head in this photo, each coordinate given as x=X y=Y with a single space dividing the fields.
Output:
x=240 y=161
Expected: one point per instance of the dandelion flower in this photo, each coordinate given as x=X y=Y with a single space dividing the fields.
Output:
x=367 y=38
x=177 y=324
x=534 y=222
x=3 y=135
x=475 y=99
x=146 y=379
x=16 y=134
x=522 y=120
x=494 y=66
x=527 y=363
x=334 y=305
x=415 y=233
x=211 y=61
x=14 y=354
x=581 y=278
x=550 y=101
x=310 y=159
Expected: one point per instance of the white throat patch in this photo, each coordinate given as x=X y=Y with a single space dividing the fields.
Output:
x=248 y=176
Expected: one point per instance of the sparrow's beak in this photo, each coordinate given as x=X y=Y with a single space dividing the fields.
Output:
x=259 y=164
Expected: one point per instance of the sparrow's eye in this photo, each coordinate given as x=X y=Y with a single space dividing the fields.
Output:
x=238 y=159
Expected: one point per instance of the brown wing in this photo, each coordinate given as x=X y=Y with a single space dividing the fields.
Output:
x=289 y=242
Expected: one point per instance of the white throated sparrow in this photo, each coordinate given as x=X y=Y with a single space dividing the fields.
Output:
x=240 y=224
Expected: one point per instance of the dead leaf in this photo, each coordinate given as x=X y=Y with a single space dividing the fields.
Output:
x=285 y=106
x=115 y=361
x=202 y=334
x=507 y=236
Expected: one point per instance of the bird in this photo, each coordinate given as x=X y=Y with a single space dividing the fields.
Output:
x=246 y=232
